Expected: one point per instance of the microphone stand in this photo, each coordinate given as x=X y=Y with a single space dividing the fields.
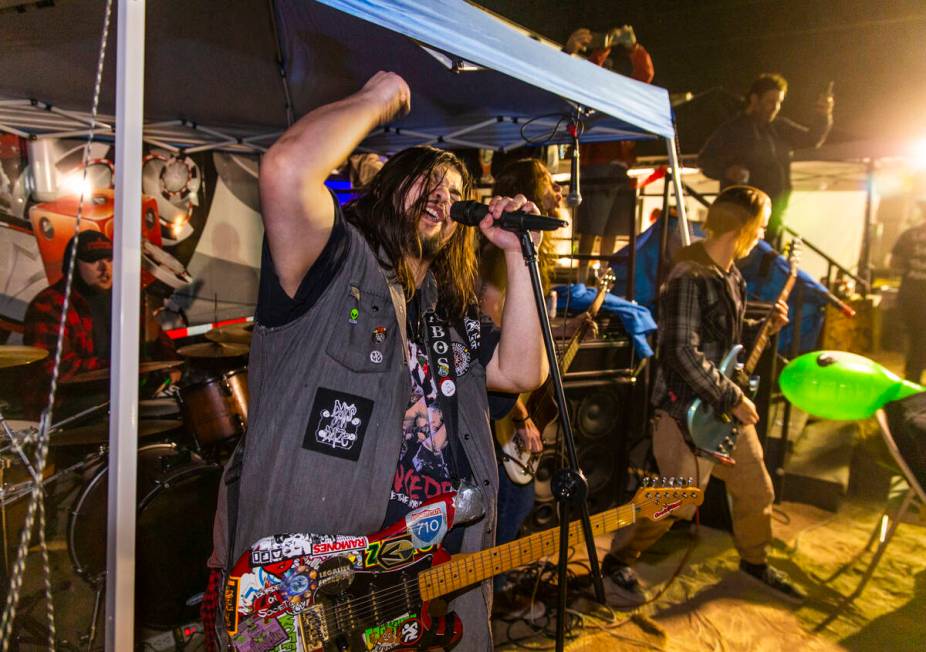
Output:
x=569 y=485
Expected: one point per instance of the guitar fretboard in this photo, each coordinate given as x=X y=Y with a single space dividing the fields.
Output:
x=466 y=570
x=765 y=331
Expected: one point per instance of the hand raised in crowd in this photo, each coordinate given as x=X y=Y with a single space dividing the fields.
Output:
x=779 y=317
x=391 y=92
x=826 y=102
x=578 y=41
x=745 y=412
x=506 y=240
x=625 y=36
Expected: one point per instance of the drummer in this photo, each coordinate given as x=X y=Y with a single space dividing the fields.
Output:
x=86 y=344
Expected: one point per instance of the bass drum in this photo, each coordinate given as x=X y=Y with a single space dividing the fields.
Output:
x=177 y=494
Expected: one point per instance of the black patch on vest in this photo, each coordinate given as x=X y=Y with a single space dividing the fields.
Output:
x=337 y=424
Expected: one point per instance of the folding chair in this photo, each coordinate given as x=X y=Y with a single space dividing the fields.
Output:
x=903 y=426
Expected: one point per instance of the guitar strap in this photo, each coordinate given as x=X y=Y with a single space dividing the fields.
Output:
x=444 y=376
x=232 y=481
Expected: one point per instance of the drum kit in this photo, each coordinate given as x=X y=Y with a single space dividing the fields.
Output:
x=185 y=434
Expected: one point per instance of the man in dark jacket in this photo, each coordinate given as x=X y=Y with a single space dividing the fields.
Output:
x=755 y=147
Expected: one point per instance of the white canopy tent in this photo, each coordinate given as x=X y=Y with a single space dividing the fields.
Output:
x=325 y=50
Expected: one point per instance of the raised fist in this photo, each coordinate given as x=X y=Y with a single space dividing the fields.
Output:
x=391 y=93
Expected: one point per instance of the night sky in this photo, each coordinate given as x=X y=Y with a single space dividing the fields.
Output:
x=874 y=51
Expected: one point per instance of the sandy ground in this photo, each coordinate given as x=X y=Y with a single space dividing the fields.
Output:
x=712 y=606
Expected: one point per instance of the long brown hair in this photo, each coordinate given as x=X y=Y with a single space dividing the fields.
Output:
x=528 y=177
x=392 y=231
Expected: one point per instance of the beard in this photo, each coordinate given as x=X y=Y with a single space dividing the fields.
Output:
x=431 y=246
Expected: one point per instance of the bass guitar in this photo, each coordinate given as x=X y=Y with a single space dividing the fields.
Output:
x=714 y=435
x=380 y=592
x=519 y=462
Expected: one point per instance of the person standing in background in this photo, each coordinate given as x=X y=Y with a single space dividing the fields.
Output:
x=609 y=195
x=702 y=308
x=756 y=146
x=909 y=258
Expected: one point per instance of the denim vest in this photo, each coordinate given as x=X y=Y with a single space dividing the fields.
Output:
x=306 y=472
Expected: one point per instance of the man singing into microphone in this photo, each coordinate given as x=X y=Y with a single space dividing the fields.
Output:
x=354 y=422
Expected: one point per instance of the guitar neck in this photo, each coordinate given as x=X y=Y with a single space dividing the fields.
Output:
x=765 y=331
x=573 y=347
x=465 y=570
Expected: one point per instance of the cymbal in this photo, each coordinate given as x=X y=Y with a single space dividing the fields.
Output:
x=98 y=433
x=12 y=355
x=143 y=368
x=214 y=350
x=232 y=333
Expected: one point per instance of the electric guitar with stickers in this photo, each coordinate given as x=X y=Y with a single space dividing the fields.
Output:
x=713 y=435
x=381 y=592
x=519 y=462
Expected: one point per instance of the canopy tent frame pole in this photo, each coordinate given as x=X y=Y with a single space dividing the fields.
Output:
x=679 y=194
x=123 y=419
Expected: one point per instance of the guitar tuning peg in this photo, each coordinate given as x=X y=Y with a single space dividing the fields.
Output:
x=664 y=481
x=672 y=483
x=690 y=481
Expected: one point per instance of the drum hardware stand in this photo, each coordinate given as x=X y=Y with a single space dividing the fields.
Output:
x=569 y=485
x=88 y=638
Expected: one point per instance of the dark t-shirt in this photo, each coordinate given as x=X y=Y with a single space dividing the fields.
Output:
x=428 y=461
x=274 y=306
x=909 y=255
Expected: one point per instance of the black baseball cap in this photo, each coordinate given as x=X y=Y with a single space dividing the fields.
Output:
x=91 y=247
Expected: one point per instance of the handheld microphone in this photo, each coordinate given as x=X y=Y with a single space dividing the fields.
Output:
x=471 y=213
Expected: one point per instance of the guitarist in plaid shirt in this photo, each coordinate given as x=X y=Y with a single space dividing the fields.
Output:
x=702 y=313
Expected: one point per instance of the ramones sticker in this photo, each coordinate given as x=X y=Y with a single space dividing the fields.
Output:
x=337 y=423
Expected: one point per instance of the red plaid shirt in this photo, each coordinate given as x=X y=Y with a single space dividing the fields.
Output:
x=41 y=330
x=78 y=353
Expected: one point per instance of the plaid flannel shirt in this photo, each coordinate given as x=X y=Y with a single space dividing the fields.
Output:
x=41 y=330
x=78 y=352
x=700 y=319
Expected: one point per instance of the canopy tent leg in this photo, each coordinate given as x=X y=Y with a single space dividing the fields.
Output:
x=679 y=195
x=123 y=419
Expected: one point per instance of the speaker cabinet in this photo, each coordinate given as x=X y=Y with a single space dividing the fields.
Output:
x=607 y=411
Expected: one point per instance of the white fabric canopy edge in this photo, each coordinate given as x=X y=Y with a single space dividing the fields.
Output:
x=466 y=31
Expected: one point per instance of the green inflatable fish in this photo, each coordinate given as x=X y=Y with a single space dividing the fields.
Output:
x=841 y=386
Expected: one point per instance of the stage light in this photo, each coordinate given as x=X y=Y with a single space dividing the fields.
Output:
x=918 y=154
x=646 y=172
x=76 y=184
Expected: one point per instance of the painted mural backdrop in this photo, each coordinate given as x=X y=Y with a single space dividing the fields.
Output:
x=200 y=222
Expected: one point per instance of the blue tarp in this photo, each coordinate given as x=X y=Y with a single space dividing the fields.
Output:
x=636 y=319
x=647 y=263
x=764 y=269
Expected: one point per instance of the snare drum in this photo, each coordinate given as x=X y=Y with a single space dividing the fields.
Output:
x=177 y=493
x=216 y=409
